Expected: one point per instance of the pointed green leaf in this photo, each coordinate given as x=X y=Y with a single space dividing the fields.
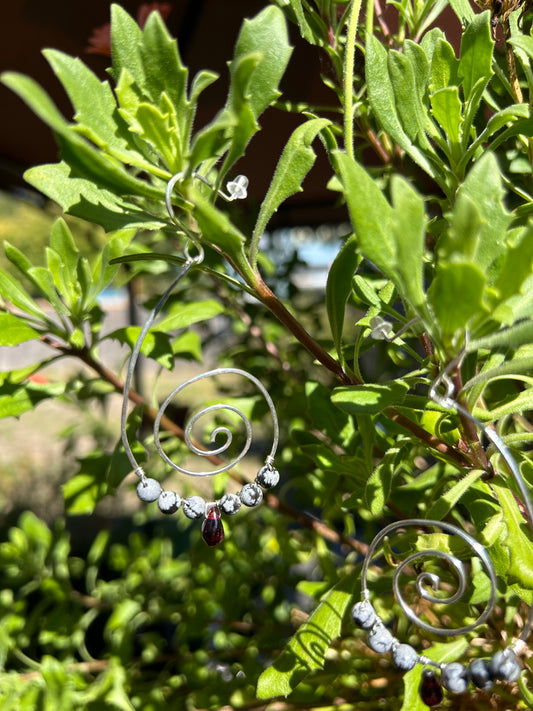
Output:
x=163 y=69
x=447 y=107
x=339 y=288
x=371 y=398
x=17 y=398
x=475 y=60
x=296 y=161
x=156 y=344
x=307 y=649
x=452 y=313
x=444 y=66
x=184 y=315
x=93 y=100
x=10 y=290
x=517 y=541
x=266 y=35
x=379 y=484
x=382 y=99
x=409 y=230
x=14 y=330
x=80 y=197
x=126 y=40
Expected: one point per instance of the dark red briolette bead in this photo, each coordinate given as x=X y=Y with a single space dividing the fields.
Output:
x=430 y=688
x=212 y=528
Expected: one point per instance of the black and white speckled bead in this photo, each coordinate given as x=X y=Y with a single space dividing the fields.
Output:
x=194 y=507
x=380 y=640
x=168 y=502
x=454 y=677
x=230 y=504
x=267 y=476
x=404 y=657
x=505 y=666
x=148 y=490
x=480 y=674
x=251 y=495
x=364 y=615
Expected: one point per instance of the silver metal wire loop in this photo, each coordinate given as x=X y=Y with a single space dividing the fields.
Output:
x=219 y=430
x=434 y=580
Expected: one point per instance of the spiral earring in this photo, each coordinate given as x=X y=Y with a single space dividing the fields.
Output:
x=149 y=489
x=455 y=677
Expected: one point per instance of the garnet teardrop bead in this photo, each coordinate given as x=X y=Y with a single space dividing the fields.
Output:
x=430 y=688
x=212 y=528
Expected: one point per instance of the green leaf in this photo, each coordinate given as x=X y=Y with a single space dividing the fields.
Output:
x=382 y=100
x=339 y=288
x=325 y=416
x=453 y=313
x=371 y=398
x=512 y=337
x=92 y=100
x=447 y=109
x=126 y=41
x=164 y=72
x=79 y=154
x=475 y=60
x=17 y=398
x=296 y=161
x=307 y=649
x=447 y=501
x=379 y=484
x=14 y=330
x=267 y=35
x=11 y=291
x=184 y=315
x=82 y=198
x=408 y=230
x=517 y=541
x=391 y=238
x=443 y=73
x=409 y=84
x=156 y=344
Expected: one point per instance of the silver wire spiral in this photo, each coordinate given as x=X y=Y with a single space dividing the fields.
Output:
x=425 y=578
x=225 y=431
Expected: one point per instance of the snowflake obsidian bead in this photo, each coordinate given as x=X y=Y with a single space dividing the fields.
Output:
x=168 y=502
x=194 y=507
x=480 y=674
x=251 y=495
x=364 y=615
x=454 y=677
x=230 y=504
x=404 y=657
x=267 y=477
x=148 y=490
x=380 y=640
x=504 y=666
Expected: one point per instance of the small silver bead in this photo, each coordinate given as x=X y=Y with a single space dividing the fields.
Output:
x=251 y=495
x=194 y=507
x=148 y=490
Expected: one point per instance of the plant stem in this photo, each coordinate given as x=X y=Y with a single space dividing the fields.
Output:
x=270 y=300
x=349 y=57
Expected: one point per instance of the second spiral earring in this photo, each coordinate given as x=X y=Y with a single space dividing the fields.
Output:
x=149 y=489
